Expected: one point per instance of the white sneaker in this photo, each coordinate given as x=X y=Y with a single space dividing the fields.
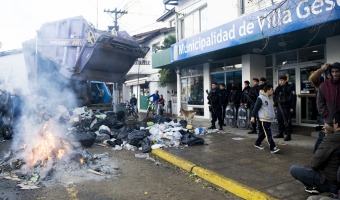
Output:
x=259 y=146
x=275 y=150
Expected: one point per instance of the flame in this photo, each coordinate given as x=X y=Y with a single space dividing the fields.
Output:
x=47 y=147
x=81 y=160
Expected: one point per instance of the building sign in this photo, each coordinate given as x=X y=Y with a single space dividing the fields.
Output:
x=278 y=19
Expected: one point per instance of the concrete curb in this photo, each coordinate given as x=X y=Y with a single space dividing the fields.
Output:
x=232 y=186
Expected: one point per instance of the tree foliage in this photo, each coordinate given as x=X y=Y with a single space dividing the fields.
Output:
x=167 y=75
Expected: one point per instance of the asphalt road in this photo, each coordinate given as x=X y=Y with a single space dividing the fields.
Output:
x=133 y=178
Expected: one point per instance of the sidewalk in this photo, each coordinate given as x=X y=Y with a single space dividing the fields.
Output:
x=230 y=160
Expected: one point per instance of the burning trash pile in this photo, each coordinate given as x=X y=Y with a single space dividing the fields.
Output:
x=53 y=147
x=50 y=152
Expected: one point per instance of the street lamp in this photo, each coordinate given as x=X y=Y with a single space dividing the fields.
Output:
x=138 y=88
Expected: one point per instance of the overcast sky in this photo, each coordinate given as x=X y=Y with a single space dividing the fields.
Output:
x=19 y=19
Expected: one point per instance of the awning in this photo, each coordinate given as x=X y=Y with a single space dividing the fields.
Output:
x=136 y=81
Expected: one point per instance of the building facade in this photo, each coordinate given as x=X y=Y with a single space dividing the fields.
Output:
x=233 y=41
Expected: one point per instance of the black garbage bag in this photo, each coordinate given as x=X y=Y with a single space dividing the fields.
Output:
x=136 y=136
x=138 y=125
x=86 y=139
x=123 y=133
x=6 y=132
x=113 y=120
x=116 y=142
x=190 y=139
x=183 y=123
x=96 y=124
x=146 y=144
x=85 y=123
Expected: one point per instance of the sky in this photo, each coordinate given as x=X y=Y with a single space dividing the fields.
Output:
x=20 y=19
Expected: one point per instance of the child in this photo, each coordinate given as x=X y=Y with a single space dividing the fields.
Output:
x=264 y=108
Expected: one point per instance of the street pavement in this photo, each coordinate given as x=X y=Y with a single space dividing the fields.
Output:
x=230 y=160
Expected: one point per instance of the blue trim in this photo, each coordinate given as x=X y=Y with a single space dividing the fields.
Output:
x=291 y=16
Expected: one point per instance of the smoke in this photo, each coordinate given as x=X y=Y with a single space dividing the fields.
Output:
x=41 y=131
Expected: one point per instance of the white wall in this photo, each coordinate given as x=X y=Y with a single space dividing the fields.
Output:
x=13 y=72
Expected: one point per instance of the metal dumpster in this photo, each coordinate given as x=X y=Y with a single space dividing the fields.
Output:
x=79 y=51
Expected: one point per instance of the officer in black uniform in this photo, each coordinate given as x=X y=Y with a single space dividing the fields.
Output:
x=253 y=94
x=215 y=102
x=224 y=96
x=285 y=97
x=245 y=99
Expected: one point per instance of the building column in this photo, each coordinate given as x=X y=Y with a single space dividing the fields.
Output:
x=253 y=66
x=332 y=49
x=206 y=86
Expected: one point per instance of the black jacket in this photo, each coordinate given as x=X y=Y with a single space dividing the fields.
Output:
x=245 y=98
x=215 y=98
x=285 y=95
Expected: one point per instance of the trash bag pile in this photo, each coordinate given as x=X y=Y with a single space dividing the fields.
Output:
x=90 y=127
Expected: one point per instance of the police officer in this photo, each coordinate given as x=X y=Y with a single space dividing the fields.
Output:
x=215 y=101
x=245 y=99
x=224 y=96
x=253 y=94
x=284 y=101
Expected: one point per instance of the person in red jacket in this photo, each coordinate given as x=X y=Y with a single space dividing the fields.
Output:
x=328 y=98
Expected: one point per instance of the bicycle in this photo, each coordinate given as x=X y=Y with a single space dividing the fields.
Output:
x=151 y=107
x=131 y=112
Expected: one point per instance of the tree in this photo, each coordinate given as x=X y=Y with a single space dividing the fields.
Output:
x=166 y=75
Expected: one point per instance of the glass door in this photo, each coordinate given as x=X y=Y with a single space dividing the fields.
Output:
x=308 y=108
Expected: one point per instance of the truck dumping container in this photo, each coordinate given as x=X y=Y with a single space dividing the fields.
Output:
x=75 y=50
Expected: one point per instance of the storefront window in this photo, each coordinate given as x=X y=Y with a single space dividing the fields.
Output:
x=184 y=83
x=228 y=78
x=269 y=60
x=195 y=90
x=309 y=112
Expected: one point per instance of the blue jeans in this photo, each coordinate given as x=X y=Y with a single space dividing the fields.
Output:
x=265 y=132
x=311 y=178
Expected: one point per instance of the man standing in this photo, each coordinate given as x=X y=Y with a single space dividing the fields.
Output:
x=245 y=99
x=284 y=101
x=224 y=95
x=262 y=83
x=215 y=101
x=322 y=177
x=328 y=98
x=264 y=109
x=254 y=93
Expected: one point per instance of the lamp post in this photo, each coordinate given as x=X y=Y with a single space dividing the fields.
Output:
x=138 y=88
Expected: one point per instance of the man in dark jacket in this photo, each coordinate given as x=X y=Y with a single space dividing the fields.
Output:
x=224 y=95
x=215 y=101
x=285 y=102
x=328 y=98
x=245 y=98
x=322 y=177
x=254 y=93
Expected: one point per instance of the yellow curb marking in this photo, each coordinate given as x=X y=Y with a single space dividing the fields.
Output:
x=230 y=185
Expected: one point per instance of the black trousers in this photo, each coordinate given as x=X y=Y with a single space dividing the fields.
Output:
x=280 y=119
x=216 y=114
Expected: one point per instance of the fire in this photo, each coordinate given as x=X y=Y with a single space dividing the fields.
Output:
x=46 y=148
x=81 y=160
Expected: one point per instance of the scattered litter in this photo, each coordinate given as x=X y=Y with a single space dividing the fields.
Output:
x=28 y=186
x=94 y=172
x=141 y=155
x=238 y=138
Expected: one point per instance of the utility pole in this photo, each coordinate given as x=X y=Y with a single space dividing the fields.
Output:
x=118 y=14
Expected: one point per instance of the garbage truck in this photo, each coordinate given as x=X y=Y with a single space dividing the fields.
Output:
x=87 y=58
